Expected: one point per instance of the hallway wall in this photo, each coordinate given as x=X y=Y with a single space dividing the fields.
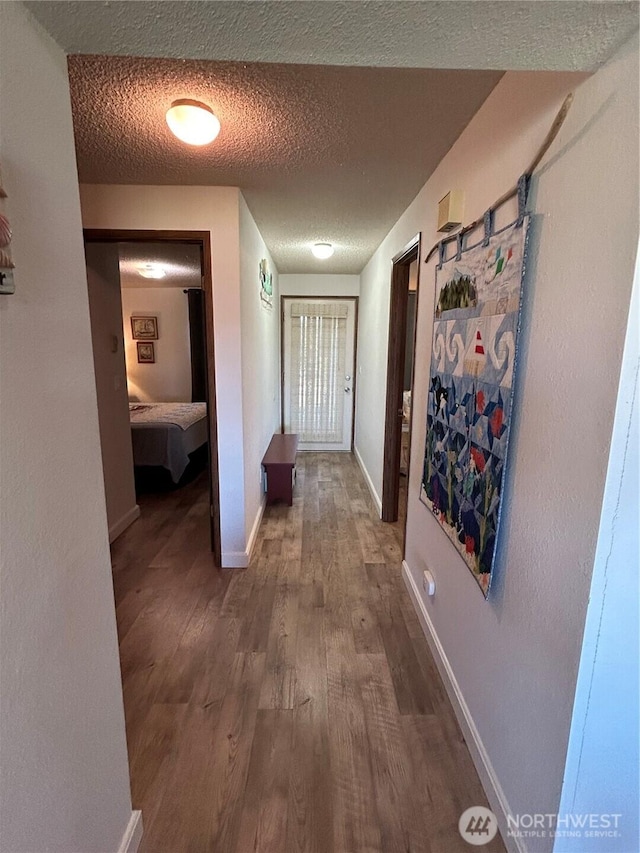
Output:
x=260 y=365
x=601 y=776
x=105 y=310
x=168 y=380
x=305 y=284
x=64 y=778
x=213 y=209
x=513 y=659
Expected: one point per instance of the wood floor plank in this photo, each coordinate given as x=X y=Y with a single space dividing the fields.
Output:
x=401 y=826
x=412 y=689
x=257 y=620
x=263 y=822
x=356 y=820
x=310 y=811
x=278 y=685
x=291 y=706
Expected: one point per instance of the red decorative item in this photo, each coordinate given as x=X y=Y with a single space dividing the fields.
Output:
x=496 y=421
x=478 y=458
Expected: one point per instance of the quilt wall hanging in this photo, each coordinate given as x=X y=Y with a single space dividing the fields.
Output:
x=475 y=332
x=470 y=396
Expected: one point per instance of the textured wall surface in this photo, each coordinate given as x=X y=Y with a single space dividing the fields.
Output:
x=515 y=656
x=319 y=285
x=105 y=309
x=64 y=782
x=530 y=35
x=213 y=209
x=601 y=776
x=169 y=379
x=260 y=333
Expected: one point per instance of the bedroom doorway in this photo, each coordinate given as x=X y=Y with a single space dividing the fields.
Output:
x=405 y=280
x=155 y=369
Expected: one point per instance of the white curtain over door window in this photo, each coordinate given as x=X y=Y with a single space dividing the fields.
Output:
x=318 y=353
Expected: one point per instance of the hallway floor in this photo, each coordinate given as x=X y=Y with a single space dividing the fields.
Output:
x=294 y=706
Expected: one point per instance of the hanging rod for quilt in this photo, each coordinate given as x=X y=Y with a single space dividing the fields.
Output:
x=553 y=132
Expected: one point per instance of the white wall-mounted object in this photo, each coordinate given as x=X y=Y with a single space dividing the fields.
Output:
x=451 y=210
x=428 y=583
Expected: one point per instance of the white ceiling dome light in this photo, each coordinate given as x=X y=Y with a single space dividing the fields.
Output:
x=322 y=250
x=152 y=270
x=192 y=122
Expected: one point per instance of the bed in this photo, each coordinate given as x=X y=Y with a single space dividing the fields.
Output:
x=164 y=434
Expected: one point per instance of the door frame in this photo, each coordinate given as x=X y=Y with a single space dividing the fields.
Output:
x=203 y=239
x=355 y=300
x=395 y=375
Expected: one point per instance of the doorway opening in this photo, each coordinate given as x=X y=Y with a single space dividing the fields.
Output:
x=405 y=282
x=318 y=370
x=151 y=306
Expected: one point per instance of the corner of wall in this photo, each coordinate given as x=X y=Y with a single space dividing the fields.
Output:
x=367 y=478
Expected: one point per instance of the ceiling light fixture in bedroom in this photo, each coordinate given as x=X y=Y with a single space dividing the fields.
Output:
x=192 y=122
x=322 y=250
x=152 y=271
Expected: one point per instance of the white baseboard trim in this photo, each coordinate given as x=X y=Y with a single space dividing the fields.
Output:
x=254 y=530
x=121 y=525
x=481 y=760
x=133 y=834
x=235 y=560
x=241 y=559
x=369 y=481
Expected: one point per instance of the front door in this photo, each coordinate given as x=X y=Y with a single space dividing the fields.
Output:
x=319 y=362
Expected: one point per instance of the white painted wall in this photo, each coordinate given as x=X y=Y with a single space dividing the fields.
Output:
x=294 y=284
x=169 y=379
x=601 y=776
x=105 y=309
x=213 y=209
x=64 y=782
x=260 y=334
x=515 y=657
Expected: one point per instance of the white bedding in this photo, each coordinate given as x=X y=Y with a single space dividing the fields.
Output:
x=183 y=415
x=164 y=434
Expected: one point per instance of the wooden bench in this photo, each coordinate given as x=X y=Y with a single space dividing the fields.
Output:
x=279 y=463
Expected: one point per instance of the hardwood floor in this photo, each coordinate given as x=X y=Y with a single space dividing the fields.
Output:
x=292 y=706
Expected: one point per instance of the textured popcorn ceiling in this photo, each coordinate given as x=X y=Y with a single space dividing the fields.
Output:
x=180 y=261
x=320 y=152
x=569 y=35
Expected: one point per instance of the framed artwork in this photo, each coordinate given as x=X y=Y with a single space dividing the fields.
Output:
x=146 y=352
x=266 y=284
x=144 y=328
x=469 y=398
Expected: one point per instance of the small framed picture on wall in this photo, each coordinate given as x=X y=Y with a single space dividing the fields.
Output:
x=146 y=353
x=144 y=328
